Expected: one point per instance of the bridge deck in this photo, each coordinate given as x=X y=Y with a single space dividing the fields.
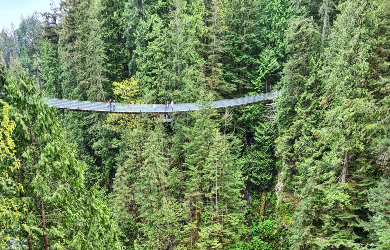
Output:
x=160 y=108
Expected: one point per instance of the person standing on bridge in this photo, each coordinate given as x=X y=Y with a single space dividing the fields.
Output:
x=109 y=104
x=154 y=107
x=172 y=105
x=113 y=105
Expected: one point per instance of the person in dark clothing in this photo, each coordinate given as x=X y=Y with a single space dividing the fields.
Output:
x=109 y=103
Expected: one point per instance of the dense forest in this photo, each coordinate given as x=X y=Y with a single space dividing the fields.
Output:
x=308 y=170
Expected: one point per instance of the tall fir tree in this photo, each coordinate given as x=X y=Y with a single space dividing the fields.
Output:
x=58 y=210
x=113 y=25
x=84 y=71
x=50 y=70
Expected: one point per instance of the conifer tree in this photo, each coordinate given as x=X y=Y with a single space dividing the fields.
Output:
x=336 y=171
x=271 y=22
x=159 y=211
x=113 y=24
x=89 y=52
x=213 y=184
x=213 y=42
x=260 y=162
x=240 y=50
x=59 y=211
x=151 y=46
x=134 y=12
x=127 y=175
x=174 y=36
x=50 y=70
x=67 y=40
x=84 y=79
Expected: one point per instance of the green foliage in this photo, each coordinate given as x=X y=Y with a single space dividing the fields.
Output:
x=54 y=200
x=272 y=18
x=239 y=59
x=9 y=203
x=260 y=160
x=112 y=30
x=379 y=223
x=325 y=108
x=50 y=70
x=182 y=185
x=262 y=235
x=83 y=65
x=174 y=36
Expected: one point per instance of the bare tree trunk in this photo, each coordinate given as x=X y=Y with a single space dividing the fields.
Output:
x=345 y=169
x=143 y=7
x=262 y=206
x=326 y=16
x=39 y=82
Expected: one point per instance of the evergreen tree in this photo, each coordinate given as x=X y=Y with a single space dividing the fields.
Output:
x=338 y=172
x=159 y=211
x=174 y=38
x=28 y=40
x=260 y=161
x=83 y=58
x=50 y=70
x=240 y=55
x=379 y=224
x=213 y=43
x=67 y=40
x=127 y=175
x=212 y=184
x=272 y=18
x=89 y=53
x=58 y=211
x=113 y=25
x=8 y=45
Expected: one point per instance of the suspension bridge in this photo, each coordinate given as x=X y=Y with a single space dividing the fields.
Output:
x=124 y=108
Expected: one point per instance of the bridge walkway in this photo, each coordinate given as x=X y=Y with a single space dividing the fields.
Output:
x=124 y=108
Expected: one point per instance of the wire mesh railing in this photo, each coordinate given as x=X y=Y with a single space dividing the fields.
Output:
x=159 y=108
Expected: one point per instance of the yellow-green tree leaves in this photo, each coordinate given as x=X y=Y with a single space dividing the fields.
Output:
x=9 y=187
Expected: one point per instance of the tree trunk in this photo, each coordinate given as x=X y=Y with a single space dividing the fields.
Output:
x=326 y=16
x=28 y=234
x=216 y=187
x=205 y=12
x=143 y=14
x=32 y=142
x=345 y=169
x=45 y=238
x=261 y=212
